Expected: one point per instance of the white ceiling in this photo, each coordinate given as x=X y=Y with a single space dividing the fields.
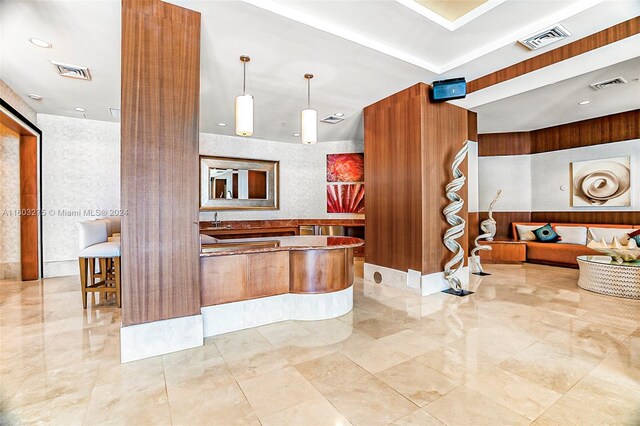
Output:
x=559 y=103
x=359 y=52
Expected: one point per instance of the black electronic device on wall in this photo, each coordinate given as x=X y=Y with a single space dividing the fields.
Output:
x=446 y=90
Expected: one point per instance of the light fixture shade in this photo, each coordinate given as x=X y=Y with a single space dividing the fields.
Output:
x=309 y=126
x=244 y=115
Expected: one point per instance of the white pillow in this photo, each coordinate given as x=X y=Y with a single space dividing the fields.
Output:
x=598 y=234
x=572 y=234
x=525 y=232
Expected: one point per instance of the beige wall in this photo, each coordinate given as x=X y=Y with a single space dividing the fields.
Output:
x=12 y=98
x=81 y=170
x=9 y=203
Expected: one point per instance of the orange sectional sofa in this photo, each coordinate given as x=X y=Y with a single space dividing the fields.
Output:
x=559 y=254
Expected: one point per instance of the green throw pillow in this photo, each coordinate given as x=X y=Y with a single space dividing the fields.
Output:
x=546 y=234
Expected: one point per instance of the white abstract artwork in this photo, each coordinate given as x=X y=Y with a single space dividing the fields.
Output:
x=601 y=183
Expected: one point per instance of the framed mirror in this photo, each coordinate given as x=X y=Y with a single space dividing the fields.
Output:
x=238 y=183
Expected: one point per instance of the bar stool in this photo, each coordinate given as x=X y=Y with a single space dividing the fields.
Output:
x=94 y=244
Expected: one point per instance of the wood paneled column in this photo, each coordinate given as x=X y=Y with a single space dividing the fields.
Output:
x=159 y=164
x=29 y=246
x=409 y=146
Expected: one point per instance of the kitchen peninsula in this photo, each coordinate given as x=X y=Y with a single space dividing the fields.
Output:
x=255 y=281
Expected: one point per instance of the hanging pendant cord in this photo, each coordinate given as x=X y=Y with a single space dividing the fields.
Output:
x=244 y=78
x=308 y=93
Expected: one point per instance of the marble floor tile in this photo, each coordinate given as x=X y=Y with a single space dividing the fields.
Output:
x=520 y=395
x=282 y=331
x=319 y=412
x=595 y=402
x=410 y=343
x=278 y=390
x=465 y=406
x=416 y=382
x=331 y=371
x=550 y=366
x=241 y=344
x=529 y=345
x=258 y=364
x=375 y=356
x=305 y=348
x=369 y=401
x=418 y=418
x=377 y=328
x=459 y=366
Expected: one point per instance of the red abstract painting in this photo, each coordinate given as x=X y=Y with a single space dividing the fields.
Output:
x=345 y=198
x=345 y=167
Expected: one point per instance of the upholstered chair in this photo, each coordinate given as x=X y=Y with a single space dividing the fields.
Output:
x=94 y=245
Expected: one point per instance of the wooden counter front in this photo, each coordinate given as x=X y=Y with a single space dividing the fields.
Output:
x=317 y=265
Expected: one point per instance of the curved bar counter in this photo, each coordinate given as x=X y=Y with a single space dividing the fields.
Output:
x=255 y=281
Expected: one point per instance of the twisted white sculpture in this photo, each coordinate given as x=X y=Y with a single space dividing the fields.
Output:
x=457 y=223
x=489 y=225
x=489 y=228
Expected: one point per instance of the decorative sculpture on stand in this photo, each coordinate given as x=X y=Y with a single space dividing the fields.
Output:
x=489 y=225
x=457 y=226
x=489 y=228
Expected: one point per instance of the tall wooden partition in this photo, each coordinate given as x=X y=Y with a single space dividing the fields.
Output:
x=29 y=247
x=409 y=146
x=159 y=164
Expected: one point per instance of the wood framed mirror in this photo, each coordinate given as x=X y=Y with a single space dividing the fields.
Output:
x=238 y=183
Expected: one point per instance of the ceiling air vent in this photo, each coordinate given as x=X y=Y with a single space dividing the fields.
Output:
x=608 y=83
x=72 y=71
x=545 y=37
x=332 y=119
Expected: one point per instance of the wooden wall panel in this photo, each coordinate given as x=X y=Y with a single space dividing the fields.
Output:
x=610 y=128
x=29 y=202
x=473 y=228
x=472 y=126
x=611 y=217
x=504 y=220
x=319 y=271
x=392 y=148
x=410 y=144
x=159 y=161
x=223 y=279
x=268 y=274
x=512 y=143
x=445 y=131
x=578 y=47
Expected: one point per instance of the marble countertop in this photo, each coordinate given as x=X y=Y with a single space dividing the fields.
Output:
x=276 y=223
x=211 y=247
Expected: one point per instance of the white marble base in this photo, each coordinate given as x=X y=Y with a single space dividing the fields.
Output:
x=228 y=317
x=413 y=281
x=160 y=337
x=61 y=268
x=434 y=283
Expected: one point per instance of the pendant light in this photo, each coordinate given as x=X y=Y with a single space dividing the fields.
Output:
x=244 y=105
x=309 y=118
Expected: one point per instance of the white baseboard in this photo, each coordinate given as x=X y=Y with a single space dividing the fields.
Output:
x=160 y=337
x=413 y=281
x=228 y=317
x=61 y=268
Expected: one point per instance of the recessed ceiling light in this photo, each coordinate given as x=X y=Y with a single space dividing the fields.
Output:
x=40 y=43
x=296 y=134
x=221 y=124
x=585 y=102
x=35 y=97
x=79 y=109
x=339 y=114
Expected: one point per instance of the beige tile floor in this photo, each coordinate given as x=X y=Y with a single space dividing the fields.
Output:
x=527 y=347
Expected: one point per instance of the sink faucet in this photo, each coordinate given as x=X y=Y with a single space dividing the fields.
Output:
x=215 y=222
